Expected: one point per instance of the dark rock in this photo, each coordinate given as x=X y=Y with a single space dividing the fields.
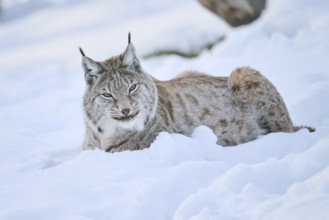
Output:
x=236 y=12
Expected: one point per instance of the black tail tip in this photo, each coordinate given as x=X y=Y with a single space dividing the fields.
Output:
x=129 y=38
x=81 y=51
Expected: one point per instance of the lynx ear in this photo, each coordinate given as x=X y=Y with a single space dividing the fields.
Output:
x=92 y=68
x=130 y=60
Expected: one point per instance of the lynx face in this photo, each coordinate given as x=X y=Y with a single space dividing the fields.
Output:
x=119 y=93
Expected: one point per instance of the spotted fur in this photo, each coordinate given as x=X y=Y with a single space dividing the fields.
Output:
x=125 y=108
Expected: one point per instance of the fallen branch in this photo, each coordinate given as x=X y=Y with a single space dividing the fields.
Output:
x=186 y=54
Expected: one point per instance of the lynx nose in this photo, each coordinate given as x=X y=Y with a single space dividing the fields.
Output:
x=125 y=111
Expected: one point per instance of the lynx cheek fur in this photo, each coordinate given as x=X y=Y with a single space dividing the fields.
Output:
x=125 y=108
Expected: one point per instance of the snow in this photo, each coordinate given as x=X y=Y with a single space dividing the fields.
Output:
x=45 y=174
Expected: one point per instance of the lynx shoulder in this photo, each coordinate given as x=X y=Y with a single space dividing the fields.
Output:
x=125 y=108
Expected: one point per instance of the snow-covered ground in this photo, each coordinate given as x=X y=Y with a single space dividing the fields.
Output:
x=44 y=173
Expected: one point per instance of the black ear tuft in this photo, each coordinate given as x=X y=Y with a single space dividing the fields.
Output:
x=129 y=38
x=81 y=51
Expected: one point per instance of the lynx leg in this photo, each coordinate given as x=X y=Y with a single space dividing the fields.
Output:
x=253 y=90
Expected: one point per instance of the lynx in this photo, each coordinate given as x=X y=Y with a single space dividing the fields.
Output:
x=126 y=108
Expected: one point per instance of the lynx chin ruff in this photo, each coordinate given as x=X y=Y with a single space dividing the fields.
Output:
x=125 y=108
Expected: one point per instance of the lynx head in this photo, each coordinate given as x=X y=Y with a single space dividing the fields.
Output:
x=118 y=92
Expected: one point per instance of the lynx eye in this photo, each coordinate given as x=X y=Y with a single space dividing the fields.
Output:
x=107 y=95
x=133 y=88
